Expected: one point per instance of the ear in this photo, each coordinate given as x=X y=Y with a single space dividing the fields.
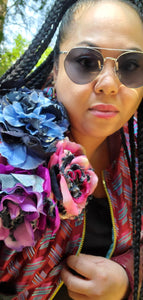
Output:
x=55 y=72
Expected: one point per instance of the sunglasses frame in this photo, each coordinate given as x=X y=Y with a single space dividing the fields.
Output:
x=96 y=49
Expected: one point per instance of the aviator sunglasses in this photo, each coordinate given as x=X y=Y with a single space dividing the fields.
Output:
x=83 y=64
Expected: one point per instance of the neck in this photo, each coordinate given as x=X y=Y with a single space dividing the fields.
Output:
x=92 y=145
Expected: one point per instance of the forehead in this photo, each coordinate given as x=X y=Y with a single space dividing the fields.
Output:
x=107 y=24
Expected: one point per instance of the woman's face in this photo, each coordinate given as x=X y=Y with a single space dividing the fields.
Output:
x=101 y=107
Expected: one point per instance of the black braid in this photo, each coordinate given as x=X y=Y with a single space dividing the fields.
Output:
x=133 y=178
x=139 y=5
x=131 y=163
x=132 y=167
x=29 y=59
x=139 y=204
x=38 y=78
x=136 y=205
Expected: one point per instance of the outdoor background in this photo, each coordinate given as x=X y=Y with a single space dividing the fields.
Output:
x=20 y=20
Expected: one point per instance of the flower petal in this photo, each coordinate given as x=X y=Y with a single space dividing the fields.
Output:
x=68 y=203
x=4 y=232
x=14 y=210
x=24 y=237
x=11 y=115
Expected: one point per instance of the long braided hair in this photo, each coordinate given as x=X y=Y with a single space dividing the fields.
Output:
x=21 y=73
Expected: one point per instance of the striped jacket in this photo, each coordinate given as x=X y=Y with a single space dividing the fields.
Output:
x=36 y=270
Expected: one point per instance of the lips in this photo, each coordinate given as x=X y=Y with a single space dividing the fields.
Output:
x=104 y=110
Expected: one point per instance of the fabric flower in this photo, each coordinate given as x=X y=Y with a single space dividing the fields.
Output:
x=19 y=210
x=30 y=125
x=22 y=205
x=43 y=176
x=72 y=178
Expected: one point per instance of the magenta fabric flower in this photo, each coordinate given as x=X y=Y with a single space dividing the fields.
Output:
x=20 y=209
x=24 y=199
x=72 y=178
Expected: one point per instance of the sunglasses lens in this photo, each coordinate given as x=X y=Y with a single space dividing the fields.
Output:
x=130 y=69
x=82 y=65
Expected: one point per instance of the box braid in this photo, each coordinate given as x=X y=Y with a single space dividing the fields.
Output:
x=21 y=73
x=137 y=204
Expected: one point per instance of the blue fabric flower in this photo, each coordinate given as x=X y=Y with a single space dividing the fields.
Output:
x=30 y=125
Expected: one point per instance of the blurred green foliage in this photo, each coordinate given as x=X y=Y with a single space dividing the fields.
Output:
x=8 y=57
x=10 y=52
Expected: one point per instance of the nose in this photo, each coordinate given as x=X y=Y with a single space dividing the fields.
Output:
x=107 y=81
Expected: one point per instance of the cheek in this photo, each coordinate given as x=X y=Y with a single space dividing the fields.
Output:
x=138 y=96
x=69 y=93
x=137 y=93
x=132 y=98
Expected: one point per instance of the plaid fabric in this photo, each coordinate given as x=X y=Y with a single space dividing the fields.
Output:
x=36 y=270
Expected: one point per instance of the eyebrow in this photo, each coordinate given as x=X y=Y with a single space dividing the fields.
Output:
x=88 y=44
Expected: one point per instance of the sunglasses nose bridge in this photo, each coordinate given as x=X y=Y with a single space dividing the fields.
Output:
x=116 y=66
x=113 y=59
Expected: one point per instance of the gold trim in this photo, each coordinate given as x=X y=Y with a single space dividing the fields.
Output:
x=112 y=214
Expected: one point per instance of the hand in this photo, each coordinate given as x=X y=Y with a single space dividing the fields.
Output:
x=97 y=278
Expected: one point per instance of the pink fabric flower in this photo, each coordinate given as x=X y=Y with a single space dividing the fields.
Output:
x=72 y=178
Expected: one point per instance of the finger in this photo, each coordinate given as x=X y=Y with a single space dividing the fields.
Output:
x=83 y=264
x=76 y=296
x=75 y=283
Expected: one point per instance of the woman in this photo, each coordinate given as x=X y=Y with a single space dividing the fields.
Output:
x=98 y=68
